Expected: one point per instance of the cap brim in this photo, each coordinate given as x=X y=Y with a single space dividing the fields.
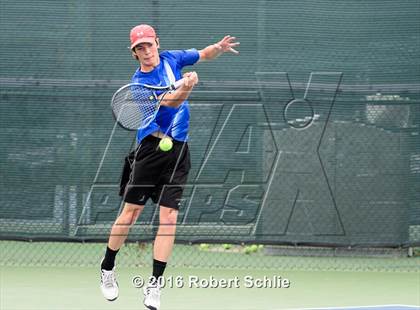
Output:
x=143 y=40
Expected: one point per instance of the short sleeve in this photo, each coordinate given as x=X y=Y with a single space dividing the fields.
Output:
x=186 y=57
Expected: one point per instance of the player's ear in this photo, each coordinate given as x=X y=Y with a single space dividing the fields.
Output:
x=134 y=55
x=157 y=43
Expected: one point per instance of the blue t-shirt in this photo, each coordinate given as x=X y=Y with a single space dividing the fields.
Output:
x=174 y=122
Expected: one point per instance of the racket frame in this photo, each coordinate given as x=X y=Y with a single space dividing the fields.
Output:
x=165 y=89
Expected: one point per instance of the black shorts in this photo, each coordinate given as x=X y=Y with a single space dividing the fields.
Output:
x=155 y=174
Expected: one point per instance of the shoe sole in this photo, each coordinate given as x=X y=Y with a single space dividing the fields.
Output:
x=150 y=307
x=111 y=299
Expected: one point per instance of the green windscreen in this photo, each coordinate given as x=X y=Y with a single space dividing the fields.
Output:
x=309 y=136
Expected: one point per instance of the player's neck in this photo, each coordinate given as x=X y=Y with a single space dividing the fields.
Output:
x=149 y=67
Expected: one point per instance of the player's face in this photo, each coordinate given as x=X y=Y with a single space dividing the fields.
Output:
x=147 y=54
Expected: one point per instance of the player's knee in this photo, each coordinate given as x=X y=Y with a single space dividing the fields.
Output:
x=125 y=219
x=129 y=215
x=170 y=217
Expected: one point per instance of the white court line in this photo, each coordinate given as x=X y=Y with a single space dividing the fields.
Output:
x=408 y=307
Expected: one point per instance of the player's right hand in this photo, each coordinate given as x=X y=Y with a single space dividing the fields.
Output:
x=191 y=79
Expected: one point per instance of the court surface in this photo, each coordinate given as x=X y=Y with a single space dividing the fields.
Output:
x=71 y=288
x=379 y=307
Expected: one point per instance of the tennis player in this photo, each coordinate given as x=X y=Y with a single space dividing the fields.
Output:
x=150 y=172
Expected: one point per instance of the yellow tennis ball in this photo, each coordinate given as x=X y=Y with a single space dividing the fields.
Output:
x=165 y=144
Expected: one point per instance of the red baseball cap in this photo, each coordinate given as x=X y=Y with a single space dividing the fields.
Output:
x=142 y=34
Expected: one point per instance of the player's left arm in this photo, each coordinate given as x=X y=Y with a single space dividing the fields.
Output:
x=227 y=44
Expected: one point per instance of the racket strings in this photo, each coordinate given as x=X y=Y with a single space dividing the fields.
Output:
x=135 y=106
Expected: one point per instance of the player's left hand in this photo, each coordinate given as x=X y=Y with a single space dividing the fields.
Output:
x=227 y=44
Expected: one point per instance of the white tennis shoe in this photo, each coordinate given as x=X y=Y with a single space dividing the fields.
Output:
x=152 y=296
x=109 y=284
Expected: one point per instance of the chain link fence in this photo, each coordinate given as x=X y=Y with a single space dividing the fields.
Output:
x=296 y=142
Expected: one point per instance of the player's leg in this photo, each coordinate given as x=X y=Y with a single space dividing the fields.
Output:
x=136 y=174
x=174 y=180
x=162 y=250
x=119 y=233
x=164 y=240
x=170 y=196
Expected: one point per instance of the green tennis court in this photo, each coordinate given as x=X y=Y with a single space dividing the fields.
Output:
x=71 y=282
x=77 y=288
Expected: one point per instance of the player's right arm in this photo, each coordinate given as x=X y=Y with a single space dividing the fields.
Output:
x=176 y=98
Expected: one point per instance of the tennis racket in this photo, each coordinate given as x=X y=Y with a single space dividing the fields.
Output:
x=135 y=105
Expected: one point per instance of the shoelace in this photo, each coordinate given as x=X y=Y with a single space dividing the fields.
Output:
x=108 y=278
